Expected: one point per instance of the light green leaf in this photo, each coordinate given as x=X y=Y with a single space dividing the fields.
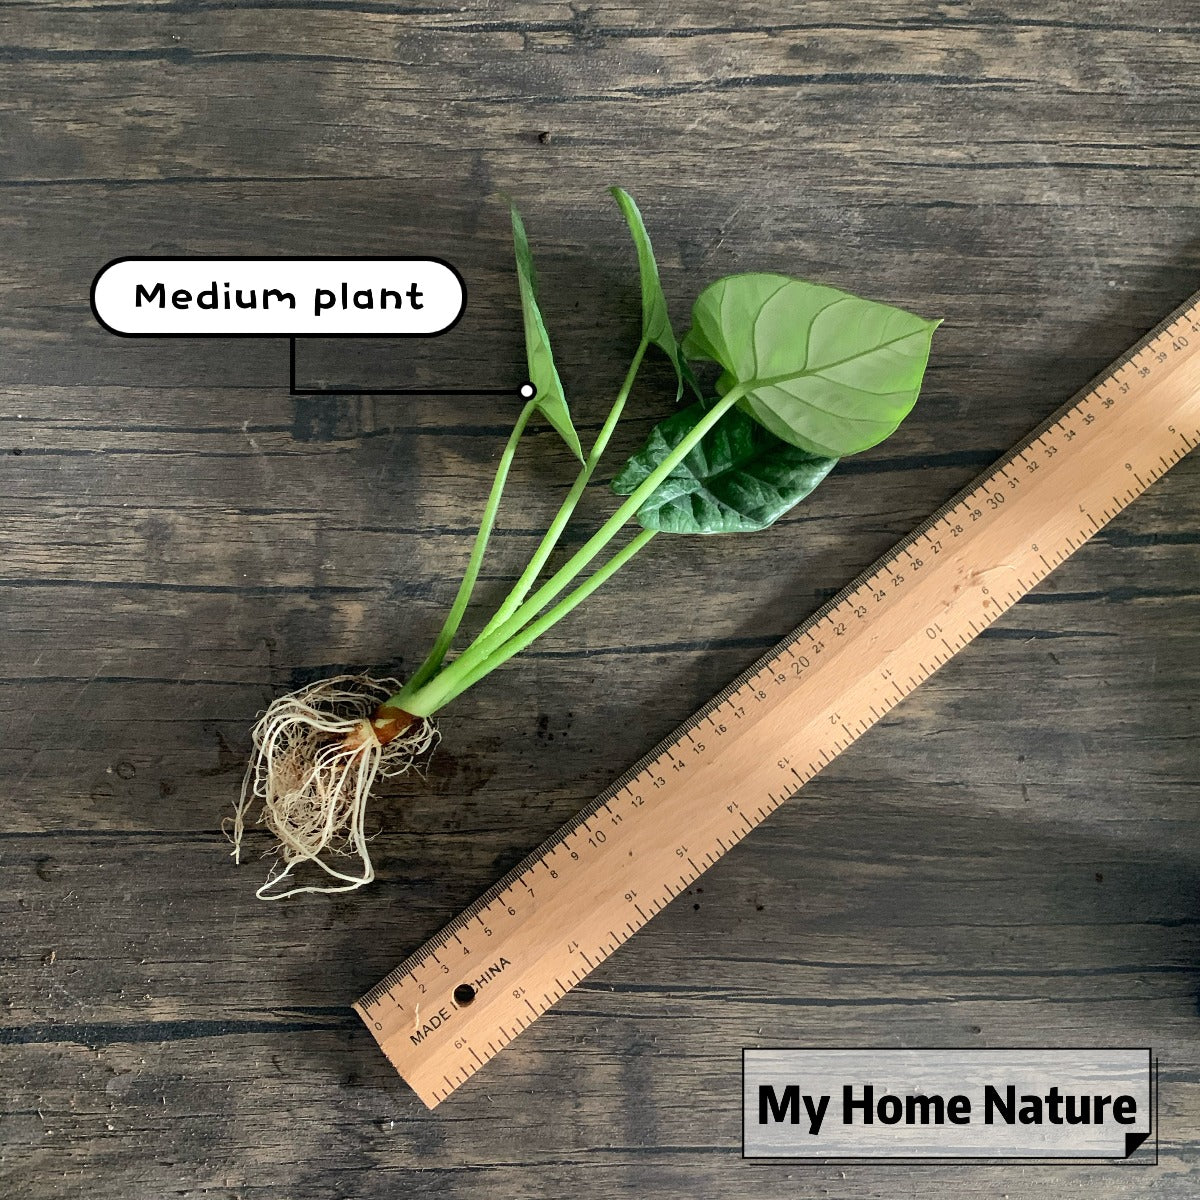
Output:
x=827 y=371
x=738 y=478
x=656 y=321
x=543 y=374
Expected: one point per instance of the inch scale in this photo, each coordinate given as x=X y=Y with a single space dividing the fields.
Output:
x=463 y=996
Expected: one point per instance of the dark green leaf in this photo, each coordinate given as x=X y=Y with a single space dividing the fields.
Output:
x=738 y=478
x=656 y=321
x=825 y=370
x=543 y=374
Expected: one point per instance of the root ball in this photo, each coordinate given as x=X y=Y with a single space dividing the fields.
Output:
x=316 y=757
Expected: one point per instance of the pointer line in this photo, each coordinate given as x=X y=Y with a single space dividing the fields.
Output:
x=293 y=390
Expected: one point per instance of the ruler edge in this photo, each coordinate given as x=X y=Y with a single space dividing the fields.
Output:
x=445 y=934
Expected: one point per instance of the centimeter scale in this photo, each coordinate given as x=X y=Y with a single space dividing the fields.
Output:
x=463 y=996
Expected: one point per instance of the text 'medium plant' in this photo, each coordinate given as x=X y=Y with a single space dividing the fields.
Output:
x=808 y=375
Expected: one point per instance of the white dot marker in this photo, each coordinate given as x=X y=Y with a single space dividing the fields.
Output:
x=527 y=391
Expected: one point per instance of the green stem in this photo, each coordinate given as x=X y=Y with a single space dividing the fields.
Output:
x=551 y=539
x=535 y=629
x=433 y=661
x=434 y=695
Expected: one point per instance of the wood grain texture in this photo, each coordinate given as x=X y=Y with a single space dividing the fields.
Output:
x=1010 y=857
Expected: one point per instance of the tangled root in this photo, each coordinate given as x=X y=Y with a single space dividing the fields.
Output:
x=317 y=752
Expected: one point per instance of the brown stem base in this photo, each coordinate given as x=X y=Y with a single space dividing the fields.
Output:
x=387 y=724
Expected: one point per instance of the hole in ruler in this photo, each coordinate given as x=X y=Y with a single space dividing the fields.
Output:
x=463 y=995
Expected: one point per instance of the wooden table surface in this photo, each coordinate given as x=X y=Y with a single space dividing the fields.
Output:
x=1010 y=858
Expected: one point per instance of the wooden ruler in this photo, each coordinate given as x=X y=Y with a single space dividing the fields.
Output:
x=464 y=995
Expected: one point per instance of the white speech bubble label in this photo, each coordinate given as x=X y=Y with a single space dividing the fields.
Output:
x=278 y=297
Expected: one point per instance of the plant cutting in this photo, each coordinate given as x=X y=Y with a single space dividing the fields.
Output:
x=807 y=374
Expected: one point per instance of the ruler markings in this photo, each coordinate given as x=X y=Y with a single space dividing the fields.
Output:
x=949 y=580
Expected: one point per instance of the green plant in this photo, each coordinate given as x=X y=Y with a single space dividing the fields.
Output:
x=808 y=375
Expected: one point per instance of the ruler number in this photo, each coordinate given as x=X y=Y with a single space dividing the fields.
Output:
x=998 y=499
x=1180 y=342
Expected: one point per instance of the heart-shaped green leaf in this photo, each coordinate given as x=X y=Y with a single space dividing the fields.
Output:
x=827 y=371
x=738 y=478
x=656 y=321
x=543 y=374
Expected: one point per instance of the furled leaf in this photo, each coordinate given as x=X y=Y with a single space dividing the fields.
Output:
x=739 y=477
x=827 y=371
x=656 y=321
x=543 y=374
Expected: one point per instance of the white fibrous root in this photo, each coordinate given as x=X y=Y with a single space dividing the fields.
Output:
x=317 y=753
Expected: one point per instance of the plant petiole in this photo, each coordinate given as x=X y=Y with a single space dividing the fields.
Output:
x=535 y=629
x=426 y=700
x=429 y=668
x=554 y=533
